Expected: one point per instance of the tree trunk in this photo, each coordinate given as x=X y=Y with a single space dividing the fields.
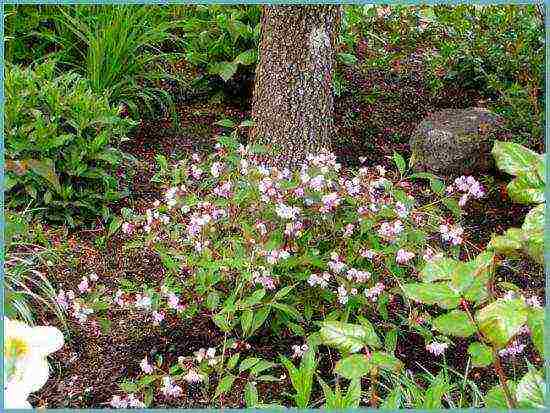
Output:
x=292 y=105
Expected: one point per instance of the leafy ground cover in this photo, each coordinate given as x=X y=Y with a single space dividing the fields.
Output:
x=306 y=308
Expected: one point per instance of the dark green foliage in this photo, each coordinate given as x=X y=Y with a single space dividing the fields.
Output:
x=58 y=145
x=498 y=50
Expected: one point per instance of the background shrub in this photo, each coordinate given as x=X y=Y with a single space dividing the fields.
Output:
x=59 y=138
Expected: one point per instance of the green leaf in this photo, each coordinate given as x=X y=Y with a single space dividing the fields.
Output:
x=385 y=361
x=250 y=394
x=523 y=191
x=353 y=395
x=288 y=309
x=247 y=57
x=502 y=320
x=232 y=362
x=372 y=338
x=283 y=292
x=511 y=241
x=440 y=294
x=226 y=70
x=399 y=162
x=535 y=322
x=353 y=367
x=482 y=355
x=46 y=169
x=348 y=338
x=435 y=392
x=495 y=397
x=534 y=220
x=224 y=385
x=347 y=59
x=530 y=391
x=393 y=400
x=455 y=323
x=248 y=363
x=226 y=123
x=515 y=159
x=439 y=269
x=452 y=205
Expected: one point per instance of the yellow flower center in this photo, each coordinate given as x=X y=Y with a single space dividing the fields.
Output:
x=15 y=347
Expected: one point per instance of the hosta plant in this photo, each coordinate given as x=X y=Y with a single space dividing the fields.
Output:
x=527 y=187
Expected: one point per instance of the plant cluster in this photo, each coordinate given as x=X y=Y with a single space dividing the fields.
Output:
x=327 y=255
x=60 y=145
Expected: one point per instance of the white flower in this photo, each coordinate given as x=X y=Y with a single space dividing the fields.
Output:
x=25 y=364
x=169 y=389
x=145 y=366
x=436 y=348
x=193 y=377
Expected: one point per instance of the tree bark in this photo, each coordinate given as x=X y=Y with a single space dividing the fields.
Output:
x=292 y=105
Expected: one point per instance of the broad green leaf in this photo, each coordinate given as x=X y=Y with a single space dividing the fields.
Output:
x=482 y=355
x=385 y=361
x=347 y=58
x=452 y=205
x=353 y=367
x=455 y=323
x=399 y=162
x=250 y=394
x=440 y=294
x=232 y=362
x=515 y=159
x=393 y=400
x=530 y=391
x=502 y=320
x=46 y=169
x=353 y=395
x=522 y=191
x=348 y=338
x=259 y=318
x=224 y=385
x=495 y=398
x=248 y=363
x=247 y=57
x=372 y=338
x=535 y=322
x=534 y=220
x=440 y=269
x=225 y=70
x=510 y=242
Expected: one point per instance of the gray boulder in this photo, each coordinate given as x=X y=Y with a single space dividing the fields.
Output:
x=455 y=142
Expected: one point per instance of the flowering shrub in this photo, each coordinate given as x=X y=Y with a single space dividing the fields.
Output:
x=256 y=247
x=251 y=243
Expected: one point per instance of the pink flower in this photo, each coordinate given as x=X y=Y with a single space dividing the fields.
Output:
x=436 y=348
x=173 y=301
x=84 y=286
x=513 y=349
x=145 y=366
x=403 y=256
x=374 y=292
x=61 y=300
x=169 y=389
x=158 y=317
x=299 y=351
x=330 y=202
